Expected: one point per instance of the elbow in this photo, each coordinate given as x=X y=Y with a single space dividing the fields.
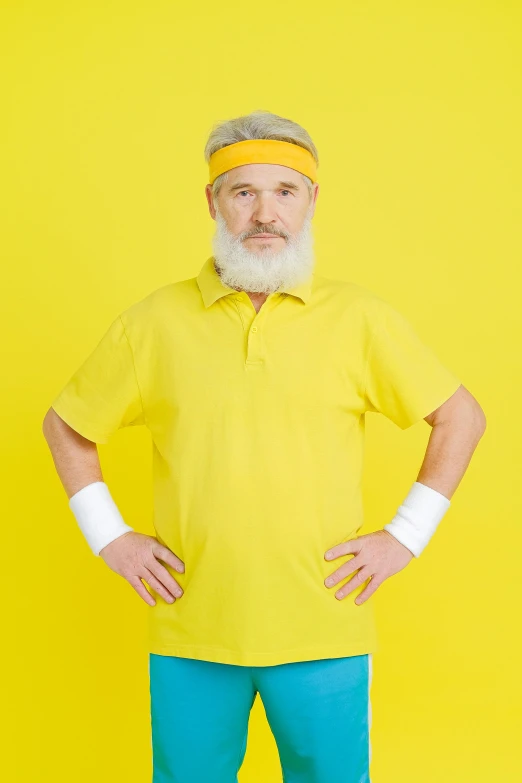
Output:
x=476 y=419
x=471 y=413
x=482 y=422
x=47 y=422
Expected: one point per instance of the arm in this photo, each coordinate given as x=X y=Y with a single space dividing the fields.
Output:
x=75 y=458
x=78 y=467
x=457 y=425
x=135 y=558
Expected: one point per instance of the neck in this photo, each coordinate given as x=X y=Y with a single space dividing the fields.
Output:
x=257 y=299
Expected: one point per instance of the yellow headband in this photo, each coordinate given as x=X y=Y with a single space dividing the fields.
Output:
x=262 y=151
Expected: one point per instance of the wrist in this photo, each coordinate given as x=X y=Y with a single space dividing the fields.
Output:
x=97 y=515
x=418 y=517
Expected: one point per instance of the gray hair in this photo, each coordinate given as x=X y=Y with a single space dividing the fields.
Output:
x=257 y=125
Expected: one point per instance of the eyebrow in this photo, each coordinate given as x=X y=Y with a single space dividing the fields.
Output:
x=284 y=184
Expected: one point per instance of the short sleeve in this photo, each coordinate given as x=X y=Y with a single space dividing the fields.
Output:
x=103 y=394
x=405 y=380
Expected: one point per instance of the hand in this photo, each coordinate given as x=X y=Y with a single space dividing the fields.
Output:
x=135 y=556
x=378 y=555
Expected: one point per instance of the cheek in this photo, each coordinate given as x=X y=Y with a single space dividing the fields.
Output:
x=294 y=219
x=239 y=218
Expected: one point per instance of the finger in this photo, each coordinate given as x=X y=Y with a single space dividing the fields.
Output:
x=168 y=556
x=165 y=577
x=345 y=570
x=156 y=585
x=140 y=588
x=368 y=590
x=350 y=547
x=356 y=581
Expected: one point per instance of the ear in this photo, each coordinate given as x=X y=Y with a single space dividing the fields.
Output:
x=208 y=194
x=315 y=193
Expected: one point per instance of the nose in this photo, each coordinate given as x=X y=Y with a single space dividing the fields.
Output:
x=264 y=211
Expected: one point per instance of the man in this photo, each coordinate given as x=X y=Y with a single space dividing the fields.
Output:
x=254 y=378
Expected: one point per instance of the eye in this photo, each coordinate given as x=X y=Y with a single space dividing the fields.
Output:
x=243 y=191
x=285 y=191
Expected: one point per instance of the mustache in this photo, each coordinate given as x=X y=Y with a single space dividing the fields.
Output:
x=271 y=231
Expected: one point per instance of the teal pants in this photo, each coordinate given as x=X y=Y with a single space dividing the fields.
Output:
x=319 y=713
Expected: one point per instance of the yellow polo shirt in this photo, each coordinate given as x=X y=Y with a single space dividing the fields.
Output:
x=257 y=426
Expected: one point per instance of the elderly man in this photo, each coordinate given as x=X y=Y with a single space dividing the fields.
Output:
x=254 y=378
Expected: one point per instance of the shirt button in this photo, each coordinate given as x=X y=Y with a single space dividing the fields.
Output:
x=254 y=328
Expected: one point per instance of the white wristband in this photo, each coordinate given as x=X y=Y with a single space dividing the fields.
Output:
x=418 y=517
x=97 y=515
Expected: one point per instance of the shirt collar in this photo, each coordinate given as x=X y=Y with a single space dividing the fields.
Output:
x=212 y=287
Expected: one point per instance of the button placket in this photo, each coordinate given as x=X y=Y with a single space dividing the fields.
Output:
x=254 y=343
x=253 y=328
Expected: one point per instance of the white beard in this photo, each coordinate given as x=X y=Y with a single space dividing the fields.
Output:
x=267 y=270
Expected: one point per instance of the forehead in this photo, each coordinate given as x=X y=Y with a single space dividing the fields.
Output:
x=264 y=175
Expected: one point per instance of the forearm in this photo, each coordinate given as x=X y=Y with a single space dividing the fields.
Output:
x=450 y=447
x=75 y=458
x=78 y=466
x=449 y=451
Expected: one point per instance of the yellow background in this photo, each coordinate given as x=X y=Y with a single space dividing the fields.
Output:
x=415 y=110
